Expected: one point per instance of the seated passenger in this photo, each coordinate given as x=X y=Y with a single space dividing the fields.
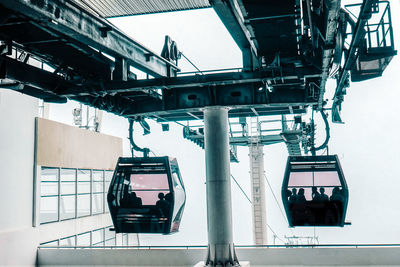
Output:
x=169 y=198
x=293 y=197
x=134 y=201
x=323 y=196
x=336 y=195
x=163 y=205
x=316 y=197
x=300 y=197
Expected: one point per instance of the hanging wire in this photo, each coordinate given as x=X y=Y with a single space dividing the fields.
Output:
x=192 y=63
x=244 y=193
x=152 y=152
x=273 y=194
x=275 y=234
x=277 y=202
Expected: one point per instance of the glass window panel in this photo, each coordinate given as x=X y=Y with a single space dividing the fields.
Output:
x=83 y=175
x=83 y=205
x=330 y=178
x=108 y=175
x=149 y=197
x=97 y=187
x=67 y=207
x=107 y=178
x=308 y=191
x=98 y=176
x=97 y=204
x=83 y=181
x=109 y=234
x=124 y=239
x=328 y=190
x=110 y=242
x=83 y=239
x=300 y=179
x=149 y=181
x=68 y=179
x=48 y=209
x=68 y=174
x=49 y=174
x=98 y=237
x=68 y=241
x=83 y=187
x=48 y=188
x=67 y=187
x=132 y=240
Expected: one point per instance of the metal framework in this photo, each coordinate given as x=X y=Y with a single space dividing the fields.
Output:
x=58 y=50
x=91 y=61
x=276 y=79
x=371 y=48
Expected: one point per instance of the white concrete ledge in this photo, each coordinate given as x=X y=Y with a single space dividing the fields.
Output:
x=258 y=257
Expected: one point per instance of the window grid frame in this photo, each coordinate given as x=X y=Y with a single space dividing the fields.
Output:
x=59 y=195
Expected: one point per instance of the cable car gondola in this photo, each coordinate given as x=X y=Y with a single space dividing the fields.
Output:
x=314 y=191
x=146 y=195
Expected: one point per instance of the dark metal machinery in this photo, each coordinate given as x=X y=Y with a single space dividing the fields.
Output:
x=56 y=50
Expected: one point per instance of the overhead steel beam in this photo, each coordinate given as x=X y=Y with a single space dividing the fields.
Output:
x=231 y=15
x=236 y=112
x=227 y=78
x=333 y=8
x=34 y=77
x=76 y=23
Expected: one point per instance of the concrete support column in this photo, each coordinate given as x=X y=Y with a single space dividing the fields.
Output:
x=258 y=194
x=221 y=251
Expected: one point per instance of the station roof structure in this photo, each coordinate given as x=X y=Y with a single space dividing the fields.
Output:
x=289 y=51
x=120 y=8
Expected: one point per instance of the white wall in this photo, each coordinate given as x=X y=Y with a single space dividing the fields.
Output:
x=18 y=238
x=17 y=125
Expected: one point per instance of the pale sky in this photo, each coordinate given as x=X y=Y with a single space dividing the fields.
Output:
x=367 y=144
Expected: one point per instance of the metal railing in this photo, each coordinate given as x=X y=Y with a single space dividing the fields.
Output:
x=237 y=246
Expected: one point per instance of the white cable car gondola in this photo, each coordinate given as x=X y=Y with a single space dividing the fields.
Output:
x=314 y=191
x=146 y=195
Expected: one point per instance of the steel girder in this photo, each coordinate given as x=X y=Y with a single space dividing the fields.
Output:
x=66 y=20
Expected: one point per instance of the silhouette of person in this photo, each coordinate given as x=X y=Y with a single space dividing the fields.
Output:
x=169 y=198
x=336 y=195
x=293 y=197
x=134 y=201
x=163 y=205
x=300 y=196
x=323 y=196
x=316 y=197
